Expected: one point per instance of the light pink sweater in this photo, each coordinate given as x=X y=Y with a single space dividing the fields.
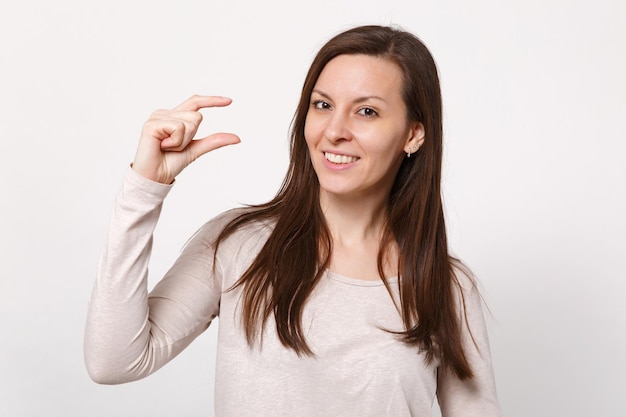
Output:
x=359 y=369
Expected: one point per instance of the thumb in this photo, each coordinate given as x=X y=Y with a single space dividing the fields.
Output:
x=199 y=147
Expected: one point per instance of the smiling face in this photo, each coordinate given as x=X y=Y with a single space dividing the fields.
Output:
x=356 y=127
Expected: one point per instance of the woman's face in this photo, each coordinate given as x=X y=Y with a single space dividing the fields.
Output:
x=356 y=127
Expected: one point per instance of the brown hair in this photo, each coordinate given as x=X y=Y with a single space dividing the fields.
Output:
x=297 y=252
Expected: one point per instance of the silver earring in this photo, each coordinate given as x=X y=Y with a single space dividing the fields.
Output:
x=412 y=149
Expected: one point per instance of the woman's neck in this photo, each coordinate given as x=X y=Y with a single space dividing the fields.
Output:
x=356 y=228
x=353 y=220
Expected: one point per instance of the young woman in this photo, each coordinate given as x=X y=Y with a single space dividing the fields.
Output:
x=336 y=298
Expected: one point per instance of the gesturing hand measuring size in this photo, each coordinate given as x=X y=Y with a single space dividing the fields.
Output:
x=167 y=144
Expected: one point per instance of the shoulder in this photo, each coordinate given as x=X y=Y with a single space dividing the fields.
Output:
x=466 y=291
x=463 y=276
x=247 y=233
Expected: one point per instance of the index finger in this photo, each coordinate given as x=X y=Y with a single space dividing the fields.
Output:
x=197 y=102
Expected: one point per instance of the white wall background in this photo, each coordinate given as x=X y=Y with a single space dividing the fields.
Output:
x=535 y=177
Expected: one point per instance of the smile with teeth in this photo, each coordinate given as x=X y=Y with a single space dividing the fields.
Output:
x=339 y=159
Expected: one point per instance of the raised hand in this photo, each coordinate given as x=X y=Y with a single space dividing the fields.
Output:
x=167 y=143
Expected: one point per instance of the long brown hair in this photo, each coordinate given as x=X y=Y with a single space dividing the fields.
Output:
x=297 y=252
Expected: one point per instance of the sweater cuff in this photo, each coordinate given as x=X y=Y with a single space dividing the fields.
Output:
x=144 y=187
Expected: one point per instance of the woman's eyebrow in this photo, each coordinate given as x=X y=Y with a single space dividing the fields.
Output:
x=357 y=100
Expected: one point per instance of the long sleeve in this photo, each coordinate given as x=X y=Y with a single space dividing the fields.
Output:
x=129 y=333
x=474 y=397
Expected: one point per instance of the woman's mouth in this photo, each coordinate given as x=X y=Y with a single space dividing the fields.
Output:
x=339 y=159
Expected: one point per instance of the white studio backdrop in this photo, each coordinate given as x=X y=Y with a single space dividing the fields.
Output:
x=535 y=111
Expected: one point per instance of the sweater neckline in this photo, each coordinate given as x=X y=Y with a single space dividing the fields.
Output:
x=359 y=282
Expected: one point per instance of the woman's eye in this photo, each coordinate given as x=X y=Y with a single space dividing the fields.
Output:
x=367 y=112
x=321 y=105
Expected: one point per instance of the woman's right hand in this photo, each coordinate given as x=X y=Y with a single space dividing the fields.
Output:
x=167 y=143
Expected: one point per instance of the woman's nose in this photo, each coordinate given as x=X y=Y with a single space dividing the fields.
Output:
x=338 y=127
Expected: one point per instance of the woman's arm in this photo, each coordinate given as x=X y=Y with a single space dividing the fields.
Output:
x=123 y=342
x=475 y=397
x=130 y=334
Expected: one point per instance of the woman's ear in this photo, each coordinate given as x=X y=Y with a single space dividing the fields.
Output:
x=415 y=139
